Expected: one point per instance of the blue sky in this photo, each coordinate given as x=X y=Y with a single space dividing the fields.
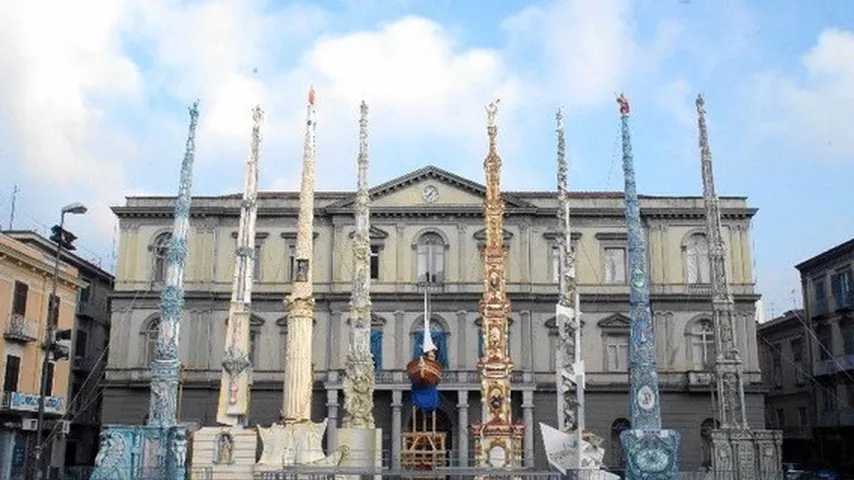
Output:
x=95 y=97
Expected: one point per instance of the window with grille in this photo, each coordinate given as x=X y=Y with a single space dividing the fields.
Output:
x=19 y=304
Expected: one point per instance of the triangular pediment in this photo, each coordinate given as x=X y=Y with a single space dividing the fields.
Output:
x=429 y=187
x=617 y=320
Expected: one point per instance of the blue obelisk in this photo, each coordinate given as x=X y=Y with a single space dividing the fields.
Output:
x=651 y=453
x=159 y=448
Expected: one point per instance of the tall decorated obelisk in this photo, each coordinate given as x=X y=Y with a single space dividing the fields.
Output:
x=296 y=406
x=737 y=451
x=570 y=366
x=651 y=452
x=234 y=391
x=497 y=441
x=359 y=433
x=159 y=447
x=297 y=440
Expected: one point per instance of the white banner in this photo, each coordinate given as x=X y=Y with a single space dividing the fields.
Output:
x=562 y=452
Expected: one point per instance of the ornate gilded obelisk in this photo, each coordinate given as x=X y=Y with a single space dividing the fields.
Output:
x=359 y=373
x=737 y=450
x=159 y=448
x=497 y=441
x=651 y=451
x=234 y=391
x=570 y=366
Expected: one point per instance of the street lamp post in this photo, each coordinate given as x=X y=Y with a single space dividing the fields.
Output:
x=52 y=319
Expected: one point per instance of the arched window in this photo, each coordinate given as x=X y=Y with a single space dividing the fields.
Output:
x=440 y=339
x=150 y=332
x=255 y=325
x=158 y=251
x=706 y=428
x=701 y=341
x=430 y=253
x=618 y=458
x=697 y=259
x=224 y=449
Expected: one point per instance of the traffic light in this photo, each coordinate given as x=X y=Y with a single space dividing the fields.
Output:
x=61 y=344
x=63 y=237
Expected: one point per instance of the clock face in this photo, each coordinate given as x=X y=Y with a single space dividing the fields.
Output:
x=497 y=456
x=430 y=194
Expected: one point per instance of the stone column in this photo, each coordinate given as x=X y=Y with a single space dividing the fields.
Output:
x=401 y=249
x=332 y=414
x=528 y=416
x=526 y=334
x=462 y=427
x=396 y=424
x=462 y=357
x=399 y=355
x=461 y=252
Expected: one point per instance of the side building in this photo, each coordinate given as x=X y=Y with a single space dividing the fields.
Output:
x=26 y=274
x=88 y=353
x=786 y=370
x=827 y=283
x=428 y=225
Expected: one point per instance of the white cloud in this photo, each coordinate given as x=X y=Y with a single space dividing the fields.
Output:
x=587 y=48
x=812 y=112
x=62 y=70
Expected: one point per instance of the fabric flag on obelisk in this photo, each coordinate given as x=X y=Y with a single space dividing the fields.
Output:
x=562 y=451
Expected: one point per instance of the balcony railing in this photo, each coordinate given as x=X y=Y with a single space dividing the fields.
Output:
x=830 y=366
x=20 y=329
x=29 y=402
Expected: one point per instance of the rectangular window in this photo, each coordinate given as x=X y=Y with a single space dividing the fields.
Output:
x=840 y=284
x=80 y=344
x=824 y=342
x=617 y=350
x=85 y=293
x=798 y=360
x=253 y=346
x=847 y=331
x=49 y=377
x=615 y=265
x=781 y=418
x=828 y=397
x=19 y=304
x=377 y=348
x=256 y=269
x=849 y=393
x=555 y=263
x=777 y=367
x=802 y=416
x=819 y=295
x=13 y=369
x=292 y=262
x=375 y=262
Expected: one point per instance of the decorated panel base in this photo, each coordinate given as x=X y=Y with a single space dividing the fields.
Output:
x=651 y=454
x=224 y=453
x=135 y=452
x=497 y=445
x=741 y=454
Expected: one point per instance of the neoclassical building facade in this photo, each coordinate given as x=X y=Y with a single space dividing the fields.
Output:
x=427 y=226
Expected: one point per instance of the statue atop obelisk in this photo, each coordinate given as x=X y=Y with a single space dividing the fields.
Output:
x=498 y=442
x=298 y=374
x=234 y=391
x=359 y=372
x=736 y=449
x=651 y=451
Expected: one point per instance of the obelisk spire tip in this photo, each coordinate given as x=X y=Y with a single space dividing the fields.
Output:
x=625 y=109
